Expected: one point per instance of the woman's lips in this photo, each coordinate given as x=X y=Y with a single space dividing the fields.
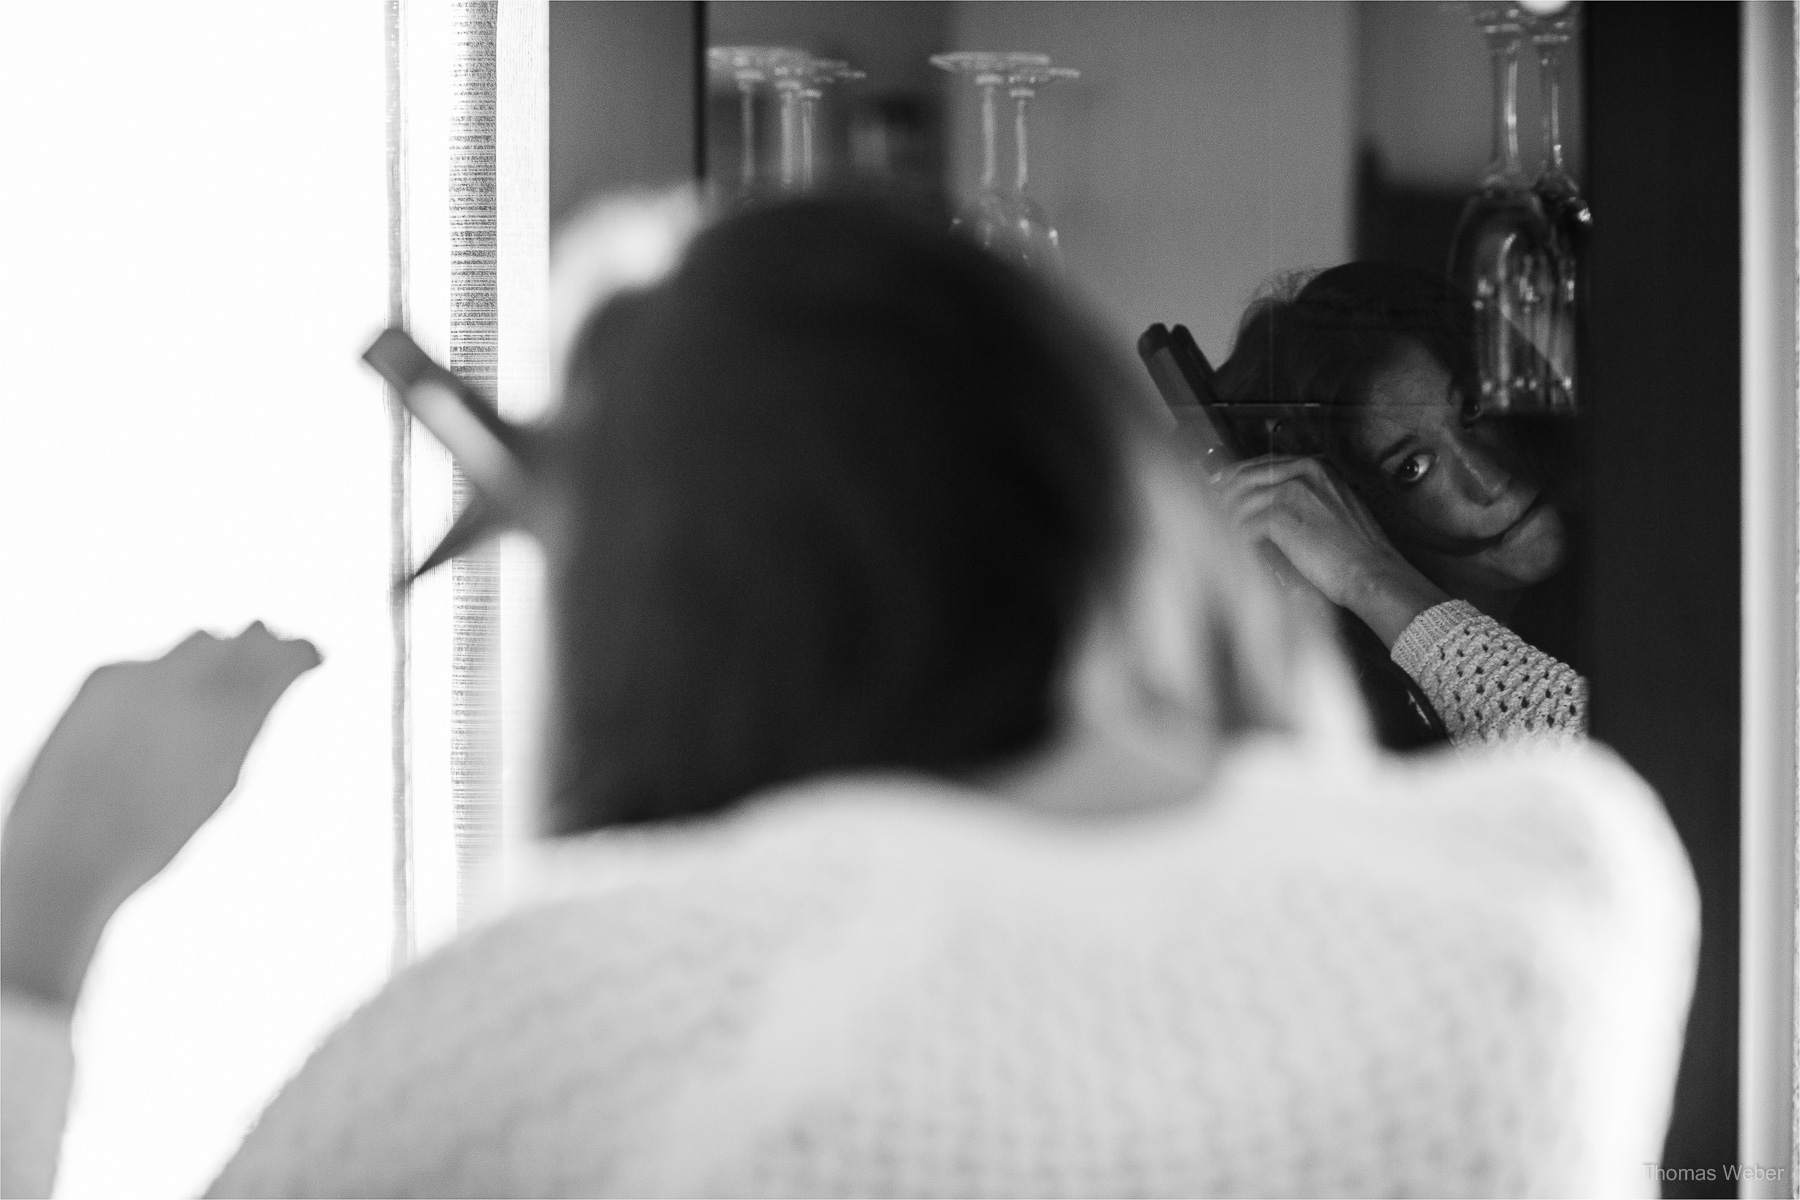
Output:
x=1530 y=510
x=1469 y=547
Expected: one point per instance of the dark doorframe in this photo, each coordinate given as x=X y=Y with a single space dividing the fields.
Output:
x=1664 y=471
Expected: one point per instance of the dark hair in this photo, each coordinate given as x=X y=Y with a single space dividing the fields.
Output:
x=1325 y=343
x=840 y=492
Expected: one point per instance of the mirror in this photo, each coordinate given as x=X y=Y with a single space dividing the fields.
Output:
x=1210 y=153
x=1174 y=163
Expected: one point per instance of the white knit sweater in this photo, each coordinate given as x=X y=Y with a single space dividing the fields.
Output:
x=1487 y=683
x=1448 y=976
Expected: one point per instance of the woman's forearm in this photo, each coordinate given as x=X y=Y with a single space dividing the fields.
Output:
x=1389 y=596
x=143 y=755
x=1486 y=682
x=37 y=1067
x=51 y=920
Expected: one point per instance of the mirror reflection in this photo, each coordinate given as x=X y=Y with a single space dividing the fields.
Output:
x=1353 y=249
x=1213 y=173
x=1399 y=434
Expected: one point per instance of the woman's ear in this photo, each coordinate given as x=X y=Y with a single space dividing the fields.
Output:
x=1131 y=685
x=1197 y=645
x=1147 y=668
x=1190 y=646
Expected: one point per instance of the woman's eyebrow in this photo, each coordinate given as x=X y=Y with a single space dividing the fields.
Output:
x=1399 y=443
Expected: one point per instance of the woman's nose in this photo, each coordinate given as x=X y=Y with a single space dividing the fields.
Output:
x=1483 y=479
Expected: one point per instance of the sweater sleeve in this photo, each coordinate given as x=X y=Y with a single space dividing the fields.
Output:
x=36 y=1070
x=1486 y=682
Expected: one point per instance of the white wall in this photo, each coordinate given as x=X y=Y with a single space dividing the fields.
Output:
x=195 y=257
x=622 y=97
x=1424 y=94
x=1205 y=147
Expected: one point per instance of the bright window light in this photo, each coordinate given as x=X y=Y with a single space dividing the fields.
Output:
x=196 y=256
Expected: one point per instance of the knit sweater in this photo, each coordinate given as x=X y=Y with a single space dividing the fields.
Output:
x=1486 y=682
x=1443 y=976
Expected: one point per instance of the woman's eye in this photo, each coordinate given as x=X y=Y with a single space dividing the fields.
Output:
x=1414 y=468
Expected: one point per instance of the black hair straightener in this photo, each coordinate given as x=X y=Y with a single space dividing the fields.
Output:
x=1403 y=716
x=495 y=455
x=1185 y=379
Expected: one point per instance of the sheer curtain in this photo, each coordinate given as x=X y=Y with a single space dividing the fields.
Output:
x=198 y=218
x=475 y=110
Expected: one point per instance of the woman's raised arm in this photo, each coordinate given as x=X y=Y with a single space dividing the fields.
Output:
x=1487 y=683
x=142 y=757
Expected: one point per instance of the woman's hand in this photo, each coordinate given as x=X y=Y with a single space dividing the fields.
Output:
x=1307 y=511
x=145 y=753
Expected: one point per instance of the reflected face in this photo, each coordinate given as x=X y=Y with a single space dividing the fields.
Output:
x=1450 y=491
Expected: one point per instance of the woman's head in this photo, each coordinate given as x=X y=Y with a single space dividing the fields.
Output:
x=842 y=493
x=1385 y=354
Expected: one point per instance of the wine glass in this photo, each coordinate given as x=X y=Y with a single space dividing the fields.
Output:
x=988 y=217
x=800 y=82
x=1034 y=238
x=1565 y=209
x=749 y=69
x=820 y=72
x=1502 y=253
x=789 y=76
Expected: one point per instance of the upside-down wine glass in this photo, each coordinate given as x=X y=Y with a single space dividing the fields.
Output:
x=820 y=72
x=988 y=217
x=749 y=69
x=1565 y=209
x=800 y=83
x=1502 y=254
x=1034 y=238
x=790 y=80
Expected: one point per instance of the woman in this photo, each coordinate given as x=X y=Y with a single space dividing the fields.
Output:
x=944 y=807
x=1437 y=530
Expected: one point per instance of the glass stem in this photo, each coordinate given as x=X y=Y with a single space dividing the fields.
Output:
x=989 y=119
x=809 y=110
x=1505 y=55
x=790 y=136
x=747 y=110
x=1020 y=141
x=1550 y=91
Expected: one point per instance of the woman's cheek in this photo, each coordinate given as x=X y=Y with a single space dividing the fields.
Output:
x=1551 y=546
x=1431 y=506
x=1536 y=555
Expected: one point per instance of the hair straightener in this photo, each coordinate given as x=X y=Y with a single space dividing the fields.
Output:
x=494 y=454
x=1185 y=379
x=1403 y=716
